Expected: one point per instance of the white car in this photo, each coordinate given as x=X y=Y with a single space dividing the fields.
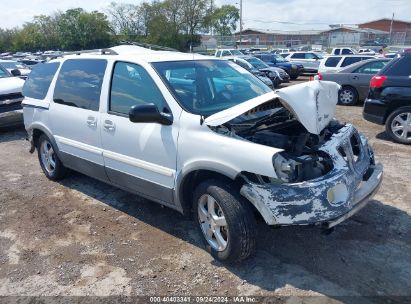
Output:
x=12 y=65
x=201 y=135
x=335 y=63
x=227 y=52
x=11 y=112
x=309 y=60
x=343 y=51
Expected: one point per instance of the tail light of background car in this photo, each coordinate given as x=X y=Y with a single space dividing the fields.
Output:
x=377 y=81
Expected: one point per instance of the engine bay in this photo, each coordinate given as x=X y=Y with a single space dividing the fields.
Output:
x=271 y=124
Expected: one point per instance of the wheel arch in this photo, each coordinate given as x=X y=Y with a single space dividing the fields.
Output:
x=189 y=180
x=396 y=106
x=36 y=130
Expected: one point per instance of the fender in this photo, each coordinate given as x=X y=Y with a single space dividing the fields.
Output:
x=41 y=127
x=206 y=165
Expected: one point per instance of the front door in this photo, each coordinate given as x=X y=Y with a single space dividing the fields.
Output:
x=138 y=156
x=75 y=119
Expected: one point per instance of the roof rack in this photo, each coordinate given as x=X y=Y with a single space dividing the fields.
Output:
x=149 y=46
x=104 y=51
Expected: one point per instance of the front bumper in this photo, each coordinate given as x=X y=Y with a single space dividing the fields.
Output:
x=327 y=200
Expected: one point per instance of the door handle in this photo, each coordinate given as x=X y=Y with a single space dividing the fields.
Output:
x=109 y=125
x=92 y=121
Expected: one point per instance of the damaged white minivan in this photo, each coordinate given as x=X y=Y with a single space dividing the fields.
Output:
x=203 y=136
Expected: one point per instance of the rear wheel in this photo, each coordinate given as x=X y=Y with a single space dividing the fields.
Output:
x=225 y=221
x=49 y=161
x=398 y=125
x=347 y=96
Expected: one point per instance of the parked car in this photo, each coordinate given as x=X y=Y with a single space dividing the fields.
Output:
x=366 y=51
x=250 y=68
x=273 y=60
x=309 y=60
x=277 y=75
x=204 y=137
x=389 y=99
x=335 y=63
x=227 y=52
x=355 y=80
x=11 y=65
x=11 y=113
x=343 y=51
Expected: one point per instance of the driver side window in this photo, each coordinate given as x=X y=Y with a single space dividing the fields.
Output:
x=131 y=85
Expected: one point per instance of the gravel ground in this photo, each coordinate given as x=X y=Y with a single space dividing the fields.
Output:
x=83 y=237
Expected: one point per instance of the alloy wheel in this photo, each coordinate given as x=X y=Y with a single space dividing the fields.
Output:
x=212 y=222
x=48 y=157
x=401 y=126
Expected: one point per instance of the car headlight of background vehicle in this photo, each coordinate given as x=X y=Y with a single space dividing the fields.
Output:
x=271 y=74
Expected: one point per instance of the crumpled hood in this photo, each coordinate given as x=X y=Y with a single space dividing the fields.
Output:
x=313 y=103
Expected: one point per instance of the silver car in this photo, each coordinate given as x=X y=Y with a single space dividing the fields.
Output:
x=355 y=79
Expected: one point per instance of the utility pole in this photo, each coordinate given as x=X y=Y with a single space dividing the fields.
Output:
x=211 y=12
x=392 y=20
x=241 y=22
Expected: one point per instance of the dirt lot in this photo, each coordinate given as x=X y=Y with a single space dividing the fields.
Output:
x=82 y=237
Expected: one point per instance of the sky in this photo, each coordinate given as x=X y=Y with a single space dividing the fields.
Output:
x=258 y=14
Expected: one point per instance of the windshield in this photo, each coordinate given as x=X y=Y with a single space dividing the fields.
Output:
x=279 y=58
x=3 y=73
x=12 y=65
x=206 y=87
x=257 y=63
x=236 y=53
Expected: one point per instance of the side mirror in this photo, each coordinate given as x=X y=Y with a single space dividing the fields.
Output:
x=149 y=113
x=15 y=72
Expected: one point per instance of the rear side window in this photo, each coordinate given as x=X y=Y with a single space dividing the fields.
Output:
x=350 y=60
x=346 y=52
x=371 y=67
x=79 y=83
x=226 y=53
x=298 y=56
x=310 y=56
x=398 y=67
x=332 y=61
x=337 y=52
x=38 y=82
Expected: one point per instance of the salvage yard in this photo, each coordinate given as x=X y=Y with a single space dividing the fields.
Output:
x=83 y=237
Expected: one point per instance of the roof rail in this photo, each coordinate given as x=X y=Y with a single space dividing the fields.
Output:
x=104 y=51
x=149 y=46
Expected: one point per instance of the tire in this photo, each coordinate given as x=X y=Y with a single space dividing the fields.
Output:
x=347 y=96
x=50 y=163
x=239 y=232
x=294 y=77
x=398 y=125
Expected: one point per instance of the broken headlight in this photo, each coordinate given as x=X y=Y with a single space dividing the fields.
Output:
x=293 y=169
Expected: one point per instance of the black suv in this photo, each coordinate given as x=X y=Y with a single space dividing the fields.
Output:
x=389 y=99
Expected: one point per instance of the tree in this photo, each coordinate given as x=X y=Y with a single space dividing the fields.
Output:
x=224 y=19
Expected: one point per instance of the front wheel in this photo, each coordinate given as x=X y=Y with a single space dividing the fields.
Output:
x=398 y=125
x=225 y=220
x=49 y=161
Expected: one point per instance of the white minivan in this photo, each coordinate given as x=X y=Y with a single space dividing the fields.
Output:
x=203 y=136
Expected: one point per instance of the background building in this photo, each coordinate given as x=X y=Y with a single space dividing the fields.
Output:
x=399 y=34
